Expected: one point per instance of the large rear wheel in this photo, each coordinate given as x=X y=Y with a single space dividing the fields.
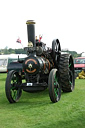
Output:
x=53 y=85
x=12 y=86
x=66 y=71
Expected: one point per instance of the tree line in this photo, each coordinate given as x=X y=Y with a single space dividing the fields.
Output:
x=12 y=51
x=22 y=51
x=73 y=53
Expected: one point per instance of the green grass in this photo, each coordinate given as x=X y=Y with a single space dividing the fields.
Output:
x=35 y=110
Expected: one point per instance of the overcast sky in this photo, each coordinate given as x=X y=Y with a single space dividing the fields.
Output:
x=62 y=19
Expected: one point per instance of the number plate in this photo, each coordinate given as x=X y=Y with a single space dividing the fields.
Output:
x=29 y=84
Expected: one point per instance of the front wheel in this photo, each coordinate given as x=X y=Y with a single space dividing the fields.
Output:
x=54 y=87
x=12 y=89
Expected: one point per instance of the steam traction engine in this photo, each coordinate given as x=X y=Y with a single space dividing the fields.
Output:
x=42 y=68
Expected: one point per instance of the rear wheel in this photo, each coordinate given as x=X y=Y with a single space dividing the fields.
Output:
x=54 y=87
x=12 y=86
x=66 y=71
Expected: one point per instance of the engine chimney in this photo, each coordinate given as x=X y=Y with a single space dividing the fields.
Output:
x=31 y=31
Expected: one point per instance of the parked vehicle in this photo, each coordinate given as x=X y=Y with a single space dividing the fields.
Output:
x=79 y=65
x=7 y=59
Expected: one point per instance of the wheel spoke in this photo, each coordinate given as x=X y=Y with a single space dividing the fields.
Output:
x=70 y=83
x=55 y=92
x=69 y=65
x=14 y=94
x=12 y=87
x=56 y=86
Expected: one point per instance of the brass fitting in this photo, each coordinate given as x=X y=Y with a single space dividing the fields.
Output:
x=30 y=22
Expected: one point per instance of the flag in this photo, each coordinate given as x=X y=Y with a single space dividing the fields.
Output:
x=40 y=37
x=18 y=40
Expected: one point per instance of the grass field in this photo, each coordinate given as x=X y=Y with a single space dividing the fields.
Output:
x=35 y=110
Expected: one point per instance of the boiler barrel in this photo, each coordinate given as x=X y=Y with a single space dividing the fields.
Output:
x=34 y=65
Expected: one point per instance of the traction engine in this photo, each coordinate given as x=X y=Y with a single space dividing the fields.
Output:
x=43 y=68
